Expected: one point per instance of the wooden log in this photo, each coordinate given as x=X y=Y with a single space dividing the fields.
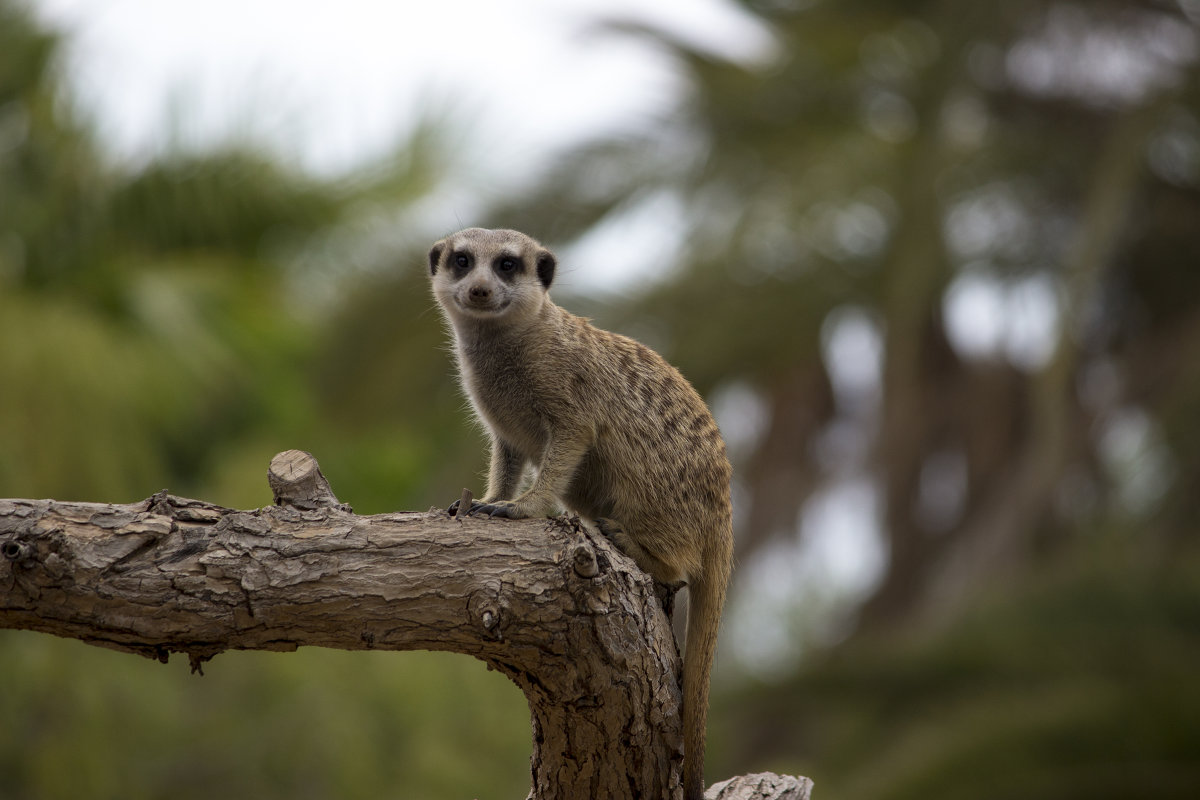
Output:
x=547 y=602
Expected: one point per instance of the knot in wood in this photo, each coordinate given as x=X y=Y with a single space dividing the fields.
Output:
x=486 y=609
x=12 y=550
x=583 y=558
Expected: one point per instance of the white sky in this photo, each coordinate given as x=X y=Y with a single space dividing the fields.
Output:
x=334 y=83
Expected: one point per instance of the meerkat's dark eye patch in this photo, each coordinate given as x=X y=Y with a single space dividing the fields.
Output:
x=461 y=260
x=507 y=266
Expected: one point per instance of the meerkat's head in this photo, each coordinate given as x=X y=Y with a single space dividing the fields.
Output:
x=481 y=274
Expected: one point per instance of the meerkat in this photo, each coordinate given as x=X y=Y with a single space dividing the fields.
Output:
x=614 y=433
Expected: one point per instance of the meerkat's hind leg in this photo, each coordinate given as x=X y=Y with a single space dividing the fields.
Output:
x=650 y=564
x=616 y=533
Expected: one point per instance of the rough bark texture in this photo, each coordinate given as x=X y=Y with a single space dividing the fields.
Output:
x=761 y=786
x=576 y=625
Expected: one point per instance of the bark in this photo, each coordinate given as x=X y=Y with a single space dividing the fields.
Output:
x=574 y=623
x=761 y=786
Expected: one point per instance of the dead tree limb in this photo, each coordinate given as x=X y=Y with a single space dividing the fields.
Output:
x=575 y=624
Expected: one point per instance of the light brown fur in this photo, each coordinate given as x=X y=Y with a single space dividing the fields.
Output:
x=614 y=433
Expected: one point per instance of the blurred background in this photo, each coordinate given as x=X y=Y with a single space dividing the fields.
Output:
x=934 y=265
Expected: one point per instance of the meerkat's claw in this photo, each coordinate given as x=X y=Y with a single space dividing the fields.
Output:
x=501 y=508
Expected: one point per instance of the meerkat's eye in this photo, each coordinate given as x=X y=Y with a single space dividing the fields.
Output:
x=462 y=261
x=508 y=264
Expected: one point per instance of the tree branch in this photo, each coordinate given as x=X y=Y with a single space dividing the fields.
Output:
x=574 y=623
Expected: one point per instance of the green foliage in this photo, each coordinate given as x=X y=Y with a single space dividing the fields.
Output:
x=158 y=330
x=50 y=178
x=233 y=202
x=84 y=722
x=386 y=373
x=1078 y=683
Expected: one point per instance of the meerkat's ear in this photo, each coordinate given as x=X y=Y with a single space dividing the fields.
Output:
x=435 y=255
x=545 y=268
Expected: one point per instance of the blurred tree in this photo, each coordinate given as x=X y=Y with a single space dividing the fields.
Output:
x=1075 y=684
x=163 y=325
x=127 y=298
x=948 y=252
x=158 y=321
x=85 y=722
x=933 y=242
x=50 y=175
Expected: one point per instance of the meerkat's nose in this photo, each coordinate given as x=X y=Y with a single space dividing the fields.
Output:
x=480 y=293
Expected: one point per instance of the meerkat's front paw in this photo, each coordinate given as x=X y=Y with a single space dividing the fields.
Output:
x=497 y=508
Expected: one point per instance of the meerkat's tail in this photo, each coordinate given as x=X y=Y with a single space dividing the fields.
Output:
x=706 y=597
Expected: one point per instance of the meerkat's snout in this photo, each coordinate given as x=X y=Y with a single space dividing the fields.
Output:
x=481 y=295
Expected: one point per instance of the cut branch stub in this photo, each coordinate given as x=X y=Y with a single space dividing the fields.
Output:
x=464 y=505
x=296 y=480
